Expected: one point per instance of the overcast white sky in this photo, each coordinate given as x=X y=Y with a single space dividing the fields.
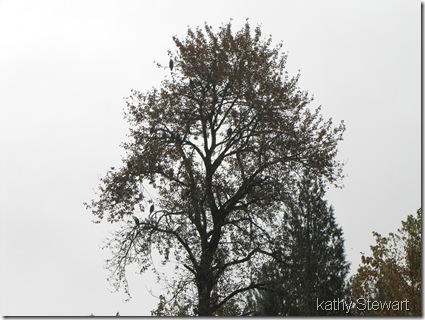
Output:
x=65 y=67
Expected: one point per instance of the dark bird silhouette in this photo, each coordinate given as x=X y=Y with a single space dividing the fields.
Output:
x=229 y=131
x=118 y=314
x=234 y=116
x=171 y=64
x=185 y=193
x=136 y=220
x=152 y=208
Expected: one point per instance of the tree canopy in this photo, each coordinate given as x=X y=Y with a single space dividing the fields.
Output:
x=393 y=273
x=220 y=145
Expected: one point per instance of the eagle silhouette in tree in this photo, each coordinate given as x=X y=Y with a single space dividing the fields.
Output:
x=171 y=64
x=136 y=220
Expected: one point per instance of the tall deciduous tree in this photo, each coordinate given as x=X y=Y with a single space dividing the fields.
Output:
x=221 y=142
x=311 y=265
x=393 y=274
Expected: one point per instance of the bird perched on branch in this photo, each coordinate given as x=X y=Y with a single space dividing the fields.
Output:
x=152 y=208
x=234 y=115
x=136 y=220
x=185 y=193
x=229 y=131
x=171 y=64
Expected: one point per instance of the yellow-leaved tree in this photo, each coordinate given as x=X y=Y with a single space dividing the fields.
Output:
x=389 y=282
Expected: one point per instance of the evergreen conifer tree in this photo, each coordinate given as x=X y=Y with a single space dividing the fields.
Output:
x=310 y=265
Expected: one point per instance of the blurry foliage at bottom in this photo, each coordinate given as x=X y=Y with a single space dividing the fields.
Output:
x=393 y=272
x=164 y=309
x=232 y=308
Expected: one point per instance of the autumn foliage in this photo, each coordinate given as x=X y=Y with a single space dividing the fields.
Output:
x=220 y=145
x=394 y=270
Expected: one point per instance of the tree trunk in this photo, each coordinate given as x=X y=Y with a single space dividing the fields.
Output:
x=205 y=284
x=204 y=302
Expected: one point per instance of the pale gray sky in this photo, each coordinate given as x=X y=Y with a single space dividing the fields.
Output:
x=65 y=67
